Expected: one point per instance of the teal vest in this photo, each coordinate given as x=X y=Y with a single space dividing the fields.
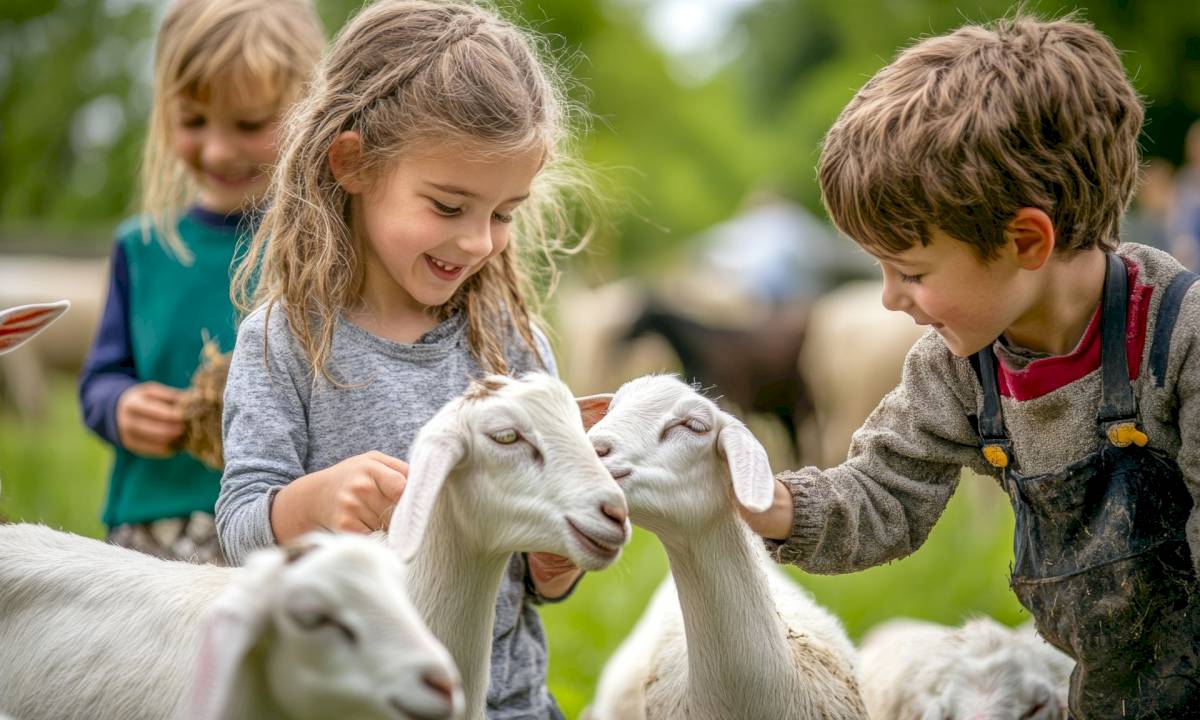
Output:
x=171 y=307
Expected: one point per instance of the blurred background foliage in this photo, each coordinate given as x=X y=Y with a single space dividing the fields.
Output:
x=697 y=105
x=686 y=124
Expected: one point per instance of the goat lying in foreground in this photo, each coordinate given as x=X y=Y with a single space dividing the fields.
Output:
x=981 y=671
x=731 y=637
x=322 y=629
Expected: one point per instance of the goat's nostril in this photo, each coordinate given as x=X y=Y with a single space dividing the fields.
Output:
x=440 y=683
x=602 y=449
x=616 y=513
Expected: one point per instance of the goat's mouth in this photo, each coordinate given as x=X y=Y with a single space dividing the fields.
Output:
x=603 y=548
x=408 y=711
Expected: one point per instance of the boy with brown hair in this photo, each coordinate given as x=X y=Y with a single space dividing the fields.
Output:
x=987 y=171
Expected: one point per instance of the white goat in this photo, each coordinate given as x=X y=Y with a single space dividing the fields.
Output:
x=914 y=670
x=738 y=640
x=505 y=468
x=318 y=630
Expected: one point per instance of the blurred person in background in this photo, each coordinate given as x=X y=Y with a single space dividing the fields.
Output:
x=225 y=72
x=1147 y=220
x=1185 y=210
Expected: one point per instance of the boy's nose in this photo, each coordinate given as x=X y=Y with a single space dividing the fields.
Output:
x=894 y=298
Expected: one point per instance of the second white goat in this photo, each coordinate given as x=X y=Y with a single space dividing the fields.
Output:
x=737 y=639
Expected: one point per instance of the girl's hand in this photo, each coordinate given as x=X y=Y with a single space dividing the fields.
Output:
x=356 y=495
x=149 y=419
x=552 y=575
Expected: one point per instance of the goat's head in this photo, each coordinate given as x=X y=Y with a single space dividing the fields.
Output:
x=992 y=673
x=327 y=626
x=680 y=459
x=514 y=462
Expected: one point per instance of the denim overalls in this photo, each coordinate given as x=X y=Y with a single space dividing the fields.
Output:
x=1100 y=557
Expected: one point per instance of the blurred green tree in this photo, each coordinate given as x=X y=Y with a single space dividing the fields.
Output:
x=676 y=151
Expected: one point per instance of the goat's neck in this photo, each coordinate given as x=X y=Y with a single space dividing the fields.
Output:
x=739 y=661
x=251 y=697
x=453 y=583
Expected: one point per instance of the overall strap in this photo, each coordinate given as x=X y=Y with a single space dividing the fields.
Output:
x=996 y=446
x=1118 y=408
x=1168 y=313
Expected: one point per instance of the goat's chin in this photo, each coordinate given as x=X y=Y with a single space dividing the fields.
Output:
x=427 y=705
x=592 y=547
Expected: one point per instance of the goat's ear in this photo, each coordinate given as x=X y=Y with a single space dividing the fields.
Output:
x=21 y=323
x=593 y=408
x=749 y=468
x=432 y=460
x=229 y=631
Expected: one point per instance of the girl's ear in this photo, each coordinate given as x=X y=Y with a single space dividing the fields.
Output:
x=345 y=161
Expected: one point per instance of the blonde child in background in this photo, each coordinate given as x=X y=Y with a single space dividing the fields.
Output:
x=224 y=71
x=416 y=178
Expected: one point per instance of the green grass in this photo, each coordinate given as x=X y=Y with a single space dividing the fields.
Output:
x=53 y=471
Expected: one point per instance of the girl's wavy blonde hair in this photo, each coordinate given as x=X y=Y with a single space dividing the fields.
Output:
x=407 y=74
x=265 y=47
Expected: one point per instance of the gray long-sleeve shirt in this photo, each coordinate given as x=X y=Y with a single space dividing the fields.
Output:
x=280 y=425
x=905 y=461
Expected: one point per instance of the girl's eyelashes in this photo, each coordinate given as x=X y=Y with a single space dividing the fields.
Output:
x=911 y=279
x=448 y=211
x=192 y=121
x=445 y=210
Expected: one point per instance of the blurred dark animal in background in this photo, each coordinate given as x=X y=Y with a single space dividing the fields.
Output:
x=752 y=368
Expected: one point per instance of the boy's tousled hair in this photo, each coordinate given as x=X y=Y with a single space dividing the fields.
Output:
x=963 y=130
x=407 y=75
x=263 y=48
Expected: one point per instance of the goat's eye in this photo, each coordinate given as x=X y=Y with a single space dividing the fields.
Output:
x=1033 y=711
x=696 y=425
x=316 y=620
x=506 y=437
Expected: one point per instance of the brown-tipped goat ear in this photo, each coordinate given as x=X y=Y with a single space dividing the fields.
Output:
x=19 y=324
x=593 y=408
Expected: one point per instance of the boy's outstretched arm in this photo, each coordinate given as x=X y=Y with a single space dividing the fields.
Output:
x=903 y=466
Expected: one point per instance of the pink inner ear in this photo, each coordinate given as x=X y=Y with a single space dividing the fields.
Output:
x=593 y=408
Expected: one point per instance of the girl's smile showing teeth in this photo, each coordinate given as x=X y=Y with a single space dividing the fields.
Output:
x=442 y=269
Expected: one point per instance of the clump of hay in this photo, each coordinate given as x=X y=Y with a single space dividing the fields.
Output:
x=202 y=404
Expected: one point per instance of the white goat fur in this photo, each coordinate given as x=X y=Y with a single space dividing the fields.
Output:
x=914 y=670
x=738 y=639
x=323 y=629
x=506 y=468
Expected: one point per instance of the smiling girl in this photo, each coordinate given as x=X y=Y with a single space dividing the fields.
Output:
x=224 y=71
x=415 y=181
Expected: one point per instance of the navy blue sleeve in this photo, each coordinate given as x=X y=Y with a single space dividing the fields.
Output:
x=109 y=369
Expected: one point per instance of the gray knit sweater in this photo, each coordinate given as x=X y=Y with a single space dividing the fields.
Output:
x=278 y=426
x=904 y=463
